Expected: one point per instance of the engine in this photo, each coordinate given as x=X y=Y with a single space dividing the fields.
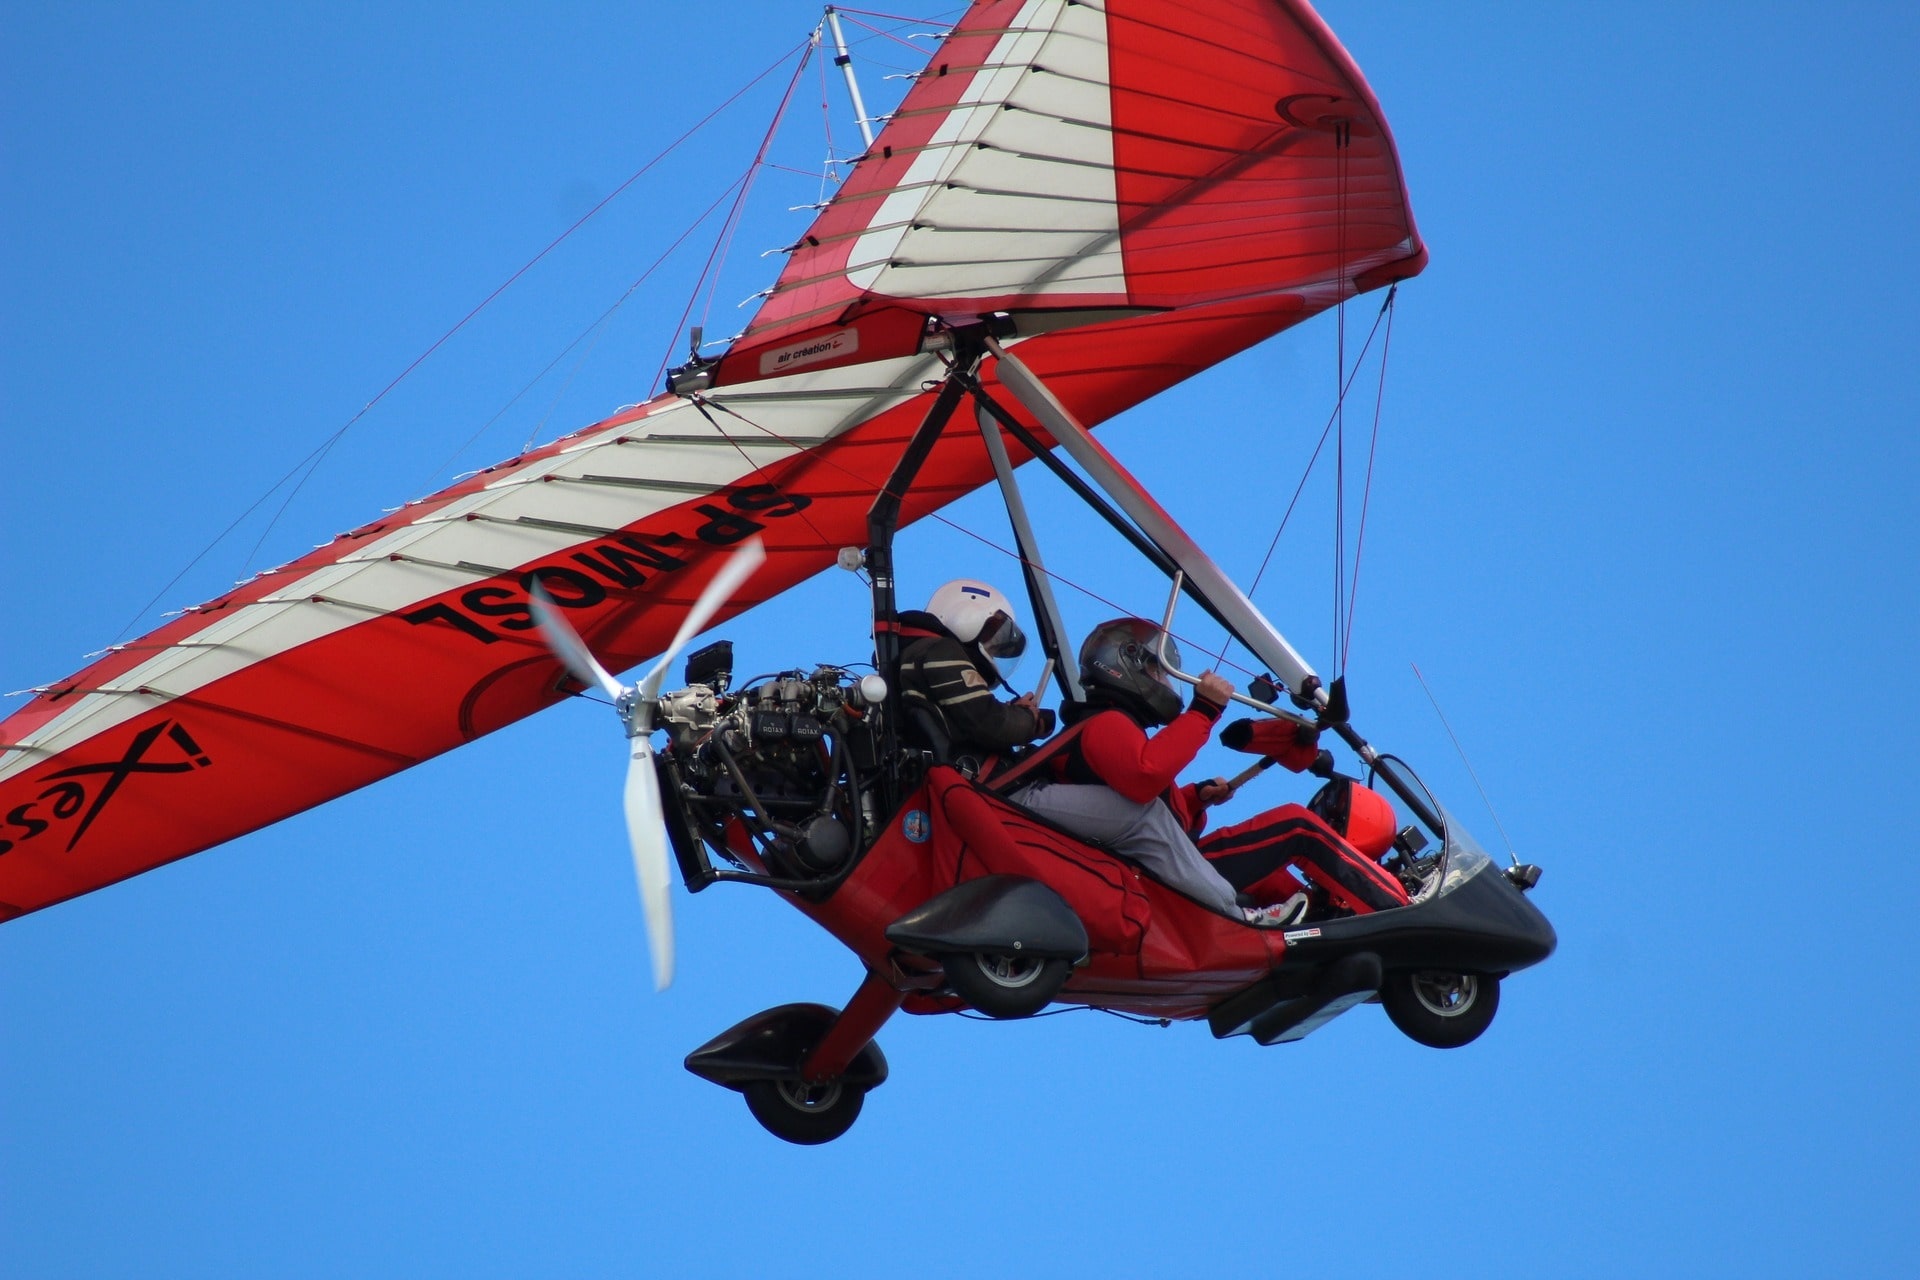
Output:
x=779 y=762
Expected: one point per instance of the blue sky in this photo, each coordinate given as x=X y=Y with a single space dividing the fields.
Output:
x=1644 y=516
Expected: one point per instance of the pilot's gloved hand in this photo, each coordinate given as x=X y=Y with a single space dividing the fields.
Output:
x=1212 y=695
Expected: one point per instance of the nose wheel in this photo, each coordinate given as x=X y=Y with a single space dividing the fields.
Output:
x=1441 y=1010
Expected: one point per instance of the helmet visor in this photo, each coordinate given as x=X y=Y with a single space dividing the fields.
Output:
x=1173 y=656
x=1003 y=641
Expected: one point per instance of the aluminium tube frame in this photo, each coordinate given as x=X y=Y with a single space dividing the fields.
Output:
x=1160 y=656
x=883 y=520
x=1223 y=598
x=1039 y=586
x=844 y=61
x=1244 y=620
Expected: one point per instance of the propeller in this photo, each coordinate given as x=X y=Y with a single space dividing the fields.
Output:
x=636 y=705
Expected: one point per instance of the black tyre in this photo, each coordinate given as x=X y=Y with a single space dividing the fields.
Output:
x=807 y=1114
x=1441 y=1010
x=1005 y=986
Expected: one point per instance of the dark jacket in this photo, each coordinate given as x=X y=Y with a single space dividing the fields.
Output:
x=954 y=683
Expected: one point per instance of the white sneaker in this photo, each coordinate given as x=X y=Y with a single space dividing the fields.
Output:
x=1280 y=915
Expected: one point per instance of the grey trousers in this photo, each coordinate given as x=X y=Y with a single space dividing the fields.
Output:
x=1147 y=833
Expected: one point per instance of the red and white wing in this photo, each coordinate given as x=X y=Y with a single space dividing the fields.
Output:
x=1129 y=154
x=1153 y=186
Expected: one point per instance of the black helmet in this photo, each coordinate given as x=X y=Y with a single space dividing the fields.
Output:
x=1119 y=666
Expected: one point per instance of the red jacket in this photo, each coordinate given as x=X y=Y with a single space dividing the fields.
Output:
x=1113 y=749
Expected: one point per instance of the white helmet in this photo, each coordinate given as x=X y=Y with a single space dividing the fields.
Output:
x=977 y=613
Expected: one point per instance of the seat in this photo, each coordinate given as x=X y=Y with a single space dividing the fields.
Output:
x=926 y=731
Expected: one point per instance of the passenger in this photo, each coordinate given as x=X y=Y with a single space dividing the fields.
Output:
x=1115 y=784
x=950 y=665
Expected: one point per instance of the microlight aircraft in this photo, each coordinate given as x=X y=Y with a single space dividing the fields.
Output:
x=1075 y=206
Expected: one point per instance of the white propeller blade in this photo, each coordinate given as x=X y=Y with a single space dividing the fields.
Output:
x=646 y=823
x=571 y=649
x=734 y=572
x=646 y=819
x=646 y=833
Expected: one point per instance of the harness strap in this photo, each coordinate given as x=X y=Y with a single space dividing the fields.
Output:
x=1026 y=769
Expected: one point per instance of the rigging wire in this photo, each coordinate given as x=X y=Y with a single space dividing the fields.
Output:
x=700 y=403
x=1325 y=432
x=1359 y=361
x=777 y=167
x=1339 y=388
x=877 y=32
x=901 y=18
x=806 y=49
x=218 y=539
x=311 y=462
x=972 y=1016
x=717 y=262
x=956 y=526
x=1463 y=760
x=580 y=337
x=830 y=172
x=1366 y=496
x=422 y=357
x=619 y=302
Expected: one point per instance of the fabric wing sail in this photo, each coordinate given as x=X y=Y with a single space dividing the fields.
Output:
x=1145 y=187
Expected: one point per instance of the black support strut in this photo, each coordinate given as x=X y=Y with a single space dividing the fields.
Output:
x=1092 y=497
x=883 y=520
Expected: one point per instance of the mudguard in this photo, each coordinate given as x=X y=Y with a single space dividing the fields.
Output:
x=773 y=1044
x=995 y=914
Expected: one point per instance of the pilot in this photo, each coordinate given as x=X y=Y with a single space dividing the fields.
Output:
x=949 y=665
x=1116 y=784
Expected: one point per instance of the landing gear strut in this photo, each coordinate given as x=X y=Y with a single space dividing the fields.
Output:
x=805 y=1069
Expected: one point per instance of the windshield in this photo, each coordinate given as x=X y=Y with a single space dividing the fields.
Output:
x=1459 y=855
x=1465 y=858
x=1411 y=800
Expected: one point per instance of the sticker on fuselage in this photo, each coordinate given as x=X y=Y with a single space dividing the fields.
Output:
x=916 y=826
x=1297 y=935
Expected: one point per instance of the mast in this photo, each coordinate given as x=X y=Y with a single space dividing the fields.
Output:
x=844 y=60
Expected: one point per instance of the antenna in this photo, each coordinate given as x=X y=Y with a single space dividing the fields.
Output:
x=844 y=60
x=1511 y=855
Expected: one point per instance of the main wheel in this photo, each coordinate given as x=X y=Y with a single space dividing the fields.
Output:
x=1441 y=1010
x=1005 y=986
x=808 y=1114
